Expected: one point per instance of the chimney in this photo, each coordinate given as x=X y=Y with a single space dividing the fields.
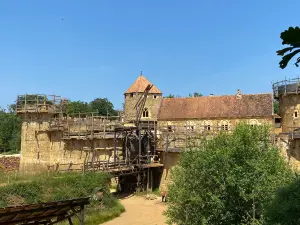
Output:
x=239 y=94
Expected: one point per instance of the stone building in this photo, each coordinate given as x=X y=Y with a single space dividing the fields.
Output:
x=50 y=139
x=133 y=94
x=179 y=119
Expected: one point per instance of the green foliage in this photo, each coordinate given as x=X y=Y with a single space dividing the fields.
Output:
x=227 y=179
x=103 y=107
x=46 y=188
x=170 y=96
x=276 y=107
x=10 y=132
x=56 y=187
x=195 y=95
x=290 y=37
x=78 y=107
x=285 y=208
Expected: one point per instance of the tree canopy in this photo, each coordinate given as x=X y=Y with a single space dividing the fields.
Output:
x=102 y=106
x=195 y=95
x=285 y=208
x=10 y=132
x=290 y=37
x=227 y=179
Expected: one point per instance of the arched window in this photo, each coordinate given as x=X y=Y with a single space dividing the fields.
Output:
x=207 y=125
x=224 y=125
x=145 y=112
x=254 y=122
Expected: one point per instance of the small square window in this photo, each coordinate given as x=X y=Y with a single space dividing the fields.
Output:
x=207 y=127
x=296 y=114
x=131 y=94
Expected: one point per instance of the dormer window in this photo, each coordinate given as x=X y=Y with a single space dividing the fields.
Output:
x=146 y=113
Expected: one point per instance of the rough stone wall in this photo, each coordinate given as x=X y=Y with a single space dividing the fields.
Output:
x=35 y=143
x=288 y=105
x=290 y=151
x=198 y=124
x=41 y=148
x=170 y=160
x=152 y=104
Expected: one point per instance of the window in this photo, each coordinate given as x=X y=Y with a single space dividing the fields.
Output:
x=296 y=114
x=191 y=128
x=254 y=122
x=145 y=113
x=224 y=127
x=207 y=127
x=131 y=94
x=170 y=129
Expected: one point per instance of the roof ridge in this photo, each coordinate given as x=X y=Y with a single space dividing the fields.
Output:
x=212 y=96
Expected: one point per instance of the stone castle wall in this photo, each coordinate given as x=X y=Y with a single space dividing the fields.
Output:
x=41 y=148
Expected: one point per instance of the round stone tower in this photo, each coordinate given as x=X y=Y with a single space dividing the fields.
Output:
x=287 y=92
x=133 y=94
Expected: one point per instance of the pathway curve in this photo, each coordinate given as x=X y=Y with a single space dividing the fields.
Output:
x=140 y=211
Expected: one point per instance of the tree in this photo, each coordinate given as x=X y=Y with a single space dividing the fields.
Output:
x=195 y=95
x=10 y=132
x=285 y=208
x=227 y=179
x=78 y=107
x=170 y=96
x=290 y=37
x=103 y=107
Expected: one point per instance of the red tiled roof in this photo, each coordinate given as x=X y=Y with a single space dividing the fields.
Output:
x=140 y=84
x=230 y=106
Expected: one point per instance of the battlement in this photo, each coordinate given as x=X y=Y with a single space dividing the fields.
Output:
x=40 y=103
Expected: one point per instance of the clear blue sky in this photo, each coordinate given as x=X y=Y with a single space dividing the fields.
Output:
x=100 y=47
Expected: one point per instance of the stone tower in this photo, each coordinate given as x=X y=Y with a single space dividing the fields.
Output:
x=133 y=94
x=287 y=92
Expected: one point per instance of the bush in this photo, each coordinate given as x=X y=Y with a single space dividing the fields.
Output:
x=227 y=180
x=285 y=208
x=47 y=188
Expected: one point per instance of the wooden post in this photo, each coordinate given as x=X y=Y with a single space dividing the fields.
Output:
x=115 y=146
x=140 y=144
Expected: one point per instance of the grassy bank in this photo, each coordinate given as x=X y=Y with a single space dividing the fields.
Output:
x=55 y=187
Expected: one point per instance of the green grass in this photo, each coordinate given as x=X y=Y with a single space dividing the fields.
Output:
x=55 y=187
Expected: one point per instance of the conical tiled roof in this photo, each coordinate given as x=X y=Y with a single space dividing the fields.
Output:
x=140 y=84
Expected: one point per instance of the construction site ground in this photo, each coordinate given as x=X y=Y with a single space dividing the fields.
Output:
x=140 y=211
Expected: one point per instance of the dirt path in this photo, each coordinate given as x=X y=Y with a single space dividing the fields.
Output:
x=140 y=211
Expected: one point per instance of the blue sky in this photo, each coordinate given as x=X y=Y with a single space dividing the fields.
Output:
x=87 y=49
